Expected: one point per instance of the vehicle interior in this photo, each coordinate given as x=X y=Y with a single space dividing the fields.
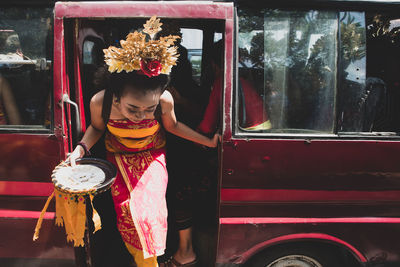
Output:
x=191 y=83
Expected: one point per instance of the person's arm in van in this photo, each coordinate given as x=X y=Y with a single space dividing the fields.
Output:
x=175 y=127
x=209 y=123
x=7 y=97
x=94 y=131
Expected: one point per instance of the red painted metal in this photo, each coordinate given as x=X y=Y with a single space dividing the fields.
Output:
x=289 y=195
x=26 y=214
x=301 y=236
x=60 y=85
x=31 y=203
x=330 y=164
x=331 y=178
x=11 y=188
x=127 y=9
x=16 y=242
x=28 y=157
x=227 y=98
x=268 y=220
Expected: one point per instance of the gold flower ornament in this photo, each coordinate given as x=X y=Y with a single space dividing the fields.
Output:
x=150 y=57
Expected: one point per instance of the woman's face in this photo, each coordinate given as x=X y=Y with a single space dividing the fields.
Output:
x=138 y=106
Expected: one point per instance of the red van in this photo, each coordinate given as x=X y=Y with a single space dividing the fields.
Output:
x=315 y=183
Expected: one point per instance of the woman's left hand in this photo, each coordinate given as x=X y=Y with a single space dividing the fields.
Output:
x=214 y=141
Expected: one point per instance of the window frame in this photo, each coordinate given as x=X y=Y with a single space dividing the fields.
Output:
x=237 y=132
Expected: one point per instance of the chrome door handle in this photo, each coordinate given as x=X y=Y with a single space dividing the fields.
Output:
x=66 y=99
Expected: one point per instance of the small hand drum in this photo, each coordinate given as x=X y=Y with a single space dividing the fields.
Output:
x=90 y=176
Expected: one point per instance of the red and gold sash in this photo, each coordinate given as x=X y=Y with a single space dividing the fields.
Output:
x=140 y=186
x=127 y=136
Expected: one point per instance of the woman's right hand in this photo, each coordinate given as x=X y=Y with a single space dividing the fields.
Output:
x=78 y=153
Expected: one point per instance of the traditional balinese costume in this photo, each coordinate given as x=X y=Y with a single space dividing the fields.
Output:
x=138 y=152
x=137 y=149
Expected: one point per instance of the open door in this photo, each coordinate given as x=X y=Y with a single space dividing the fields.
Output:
x=94 y=26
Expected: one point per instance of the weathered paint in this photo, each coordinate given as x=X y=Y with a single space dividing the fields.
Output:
x=12 y=188
x=130 y=9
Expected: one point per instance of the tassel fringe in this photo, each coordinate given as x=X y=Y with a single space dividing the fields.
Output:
x=70 y=213
x=39 y=222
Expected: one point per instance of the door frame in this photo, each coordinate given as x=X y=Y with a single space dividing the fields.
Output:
x=131 y=9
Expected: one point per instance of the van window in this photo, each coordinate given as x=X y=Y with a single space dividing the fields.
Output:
x=25 y=72
x=317 y=72
x=370 y=73
x=192 y=39
x=287 y=69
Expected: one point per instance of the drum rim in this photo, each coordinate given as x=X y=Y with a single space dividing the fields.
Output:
x=107 y=167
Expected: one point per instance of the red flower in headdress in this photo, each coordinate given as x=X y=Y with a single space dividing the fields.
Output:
x=150 y=68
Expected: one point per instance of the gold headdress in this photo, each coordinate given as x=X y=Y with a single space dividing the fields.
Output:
x=147 y=57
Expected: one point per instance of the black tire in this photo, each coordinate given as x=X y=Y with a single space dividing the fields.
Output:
x=291 y=255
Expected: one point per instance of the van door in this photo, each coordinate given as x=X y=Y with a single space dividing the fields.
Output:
x=34 y=134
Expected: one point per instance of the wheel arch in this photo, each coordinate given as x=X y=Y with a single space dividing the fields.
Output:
x=301 y=238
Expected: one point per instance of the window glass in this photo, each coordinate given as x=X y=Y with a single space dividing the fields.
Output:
x=287 y=69
x=25 y=67
x=217 y=36
x=318 y=72
x=192 y=39
x=87 y=52
x=370 y=73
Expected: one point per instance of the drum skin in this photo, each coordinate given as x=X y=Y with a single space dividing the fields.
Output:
x=108 y=168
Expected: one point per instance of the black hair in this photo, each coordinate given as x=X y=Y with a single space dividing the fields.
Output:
x=217 y=53
x=118 y=82
x=138 y=82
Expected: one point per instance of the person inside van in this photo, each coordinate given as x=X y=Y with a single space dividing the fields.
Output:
x=9 y=113
x=9 y=50
x=252 y=114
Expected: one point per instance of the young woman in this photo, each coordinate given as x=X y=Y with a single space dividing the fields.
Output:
x=134 y=112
